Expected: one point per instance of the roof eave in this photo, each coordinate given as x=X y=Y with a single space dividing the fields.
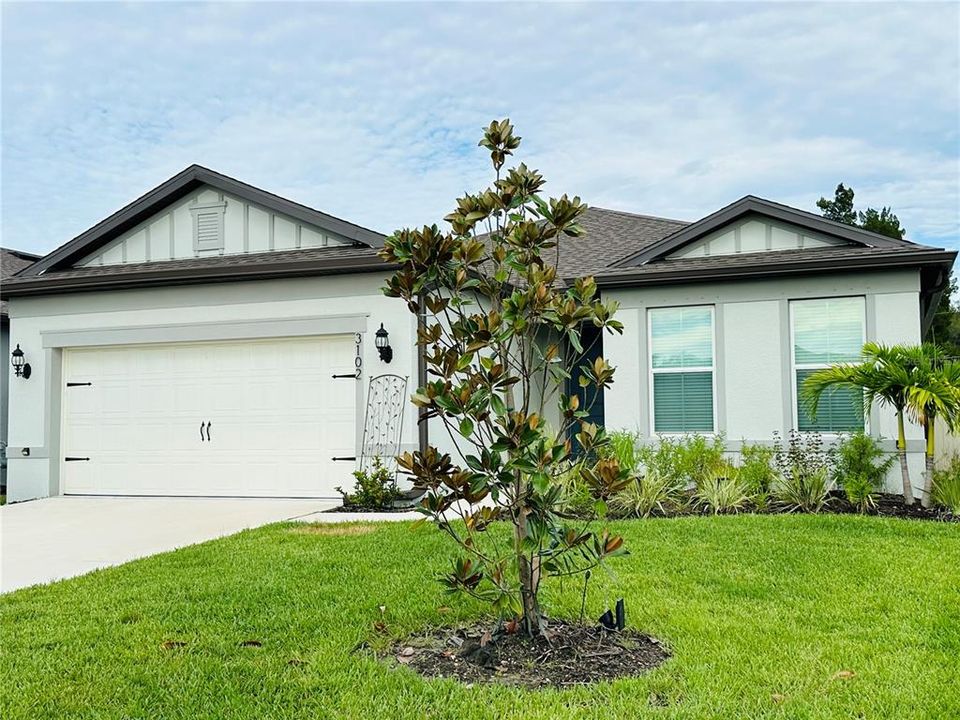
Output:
x=160 y=277
x=759 y=269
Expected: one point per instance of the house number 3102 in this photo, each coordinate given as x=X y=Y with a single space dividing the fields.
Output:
x=358 y=360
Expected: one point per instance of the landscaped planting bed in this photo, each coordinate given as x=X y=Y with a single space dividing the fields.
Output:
x=788 y=616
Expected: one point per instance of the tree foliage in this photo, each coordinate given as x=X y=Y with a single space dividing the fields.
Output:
x=841 y=209
x=945 y=328
x=501 y=334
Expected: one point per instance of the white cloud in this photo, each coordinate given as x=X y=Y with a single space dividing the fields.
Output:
x=372 y=112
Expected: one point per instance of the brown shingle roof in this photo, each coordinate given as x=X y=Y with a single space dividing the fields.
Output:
x=610 y=236
x=12 y=262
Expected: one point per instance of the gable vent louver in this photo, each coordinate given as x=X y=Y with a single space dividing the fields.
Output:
x=208 y=226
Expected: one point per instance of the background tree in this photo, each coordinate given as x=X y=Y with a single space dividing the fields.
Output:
x=501 y=333
x=841 y=209
x=945 y=329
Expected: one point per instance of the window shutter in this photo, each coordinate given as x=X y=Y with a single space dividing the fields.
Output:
x=683 y=402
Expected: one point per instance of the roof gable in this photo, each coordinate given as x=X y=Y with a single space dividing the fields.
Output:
x=185 y=184
x=806 y=229
x=755 y=234
x=241 y=227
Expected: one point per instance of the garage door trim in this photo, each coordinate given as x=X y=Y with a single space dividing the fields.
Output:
x=260 y=329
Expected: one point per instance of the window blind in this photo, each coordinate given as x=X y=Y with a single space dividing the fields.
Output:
x=681 y=361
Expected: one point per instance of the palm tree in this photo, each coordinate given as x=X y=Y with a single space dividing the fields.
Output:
x=934 y=391
x=882 y=377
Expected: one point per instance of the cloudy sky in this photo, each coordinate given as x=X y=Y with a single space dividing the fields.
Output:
x=372 y=112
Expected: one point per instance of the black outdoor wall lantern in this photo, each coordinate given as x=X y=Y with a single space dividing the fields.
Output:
x=383 y=344
x=20 y=368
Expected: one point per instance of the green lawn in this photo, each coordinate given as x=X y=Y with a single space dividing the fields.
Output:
x=752 y=607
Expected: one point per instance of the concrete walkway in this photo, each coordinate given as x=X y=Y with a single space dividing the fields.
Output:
x=61 y=537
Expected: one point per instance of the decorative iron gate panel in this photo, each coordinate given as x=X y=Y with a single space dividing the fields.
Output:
x=383 y=422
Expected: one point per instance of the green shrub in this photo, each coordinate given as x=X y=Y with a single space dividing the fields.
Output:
x=646 y=494
x=686 y=460
x=804 y=488
x=756 y=467
x=624 y=446
x=575 y=496
x=802 y=453
x=946 y=486
x=704 y=458
x=722 y=491
x=757 y=472
x=860 y=468
x=374 y=490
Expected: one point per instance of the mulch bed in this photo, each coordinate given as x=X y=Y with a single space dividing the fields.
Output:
x=362 y=509
x=573 y=655
x=891 y=505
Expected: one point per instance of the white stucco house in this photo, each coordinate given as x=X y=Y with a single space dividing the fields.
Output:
x=11 y=262
x=214 y=339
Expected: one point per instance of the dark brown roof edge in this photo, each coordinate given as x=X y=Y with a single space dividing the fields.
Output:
x=177 y=187
x=22 y=254
x=752 y=204
x=757 y=267
x=156 y=277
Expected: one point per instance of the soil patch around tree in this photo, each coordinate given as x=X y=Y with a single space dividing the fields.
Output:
x=573 y=655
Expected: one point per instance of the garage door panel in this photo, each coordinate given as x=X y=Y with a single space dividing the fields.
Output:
x=277 y=417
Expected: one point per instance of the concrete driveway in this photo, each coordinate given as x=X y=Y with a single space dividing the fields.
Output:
x=61 y=537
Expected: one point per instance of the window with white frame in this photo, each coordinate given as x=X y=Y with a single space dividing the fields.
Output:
x=827 y=331
x=682 y=368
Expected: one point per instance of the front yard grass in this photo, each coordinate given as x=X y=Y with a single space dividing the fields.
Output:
x=766 y=616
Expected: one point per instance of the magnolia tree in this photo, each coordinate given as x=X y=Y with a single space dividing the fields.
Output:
x=501 y=334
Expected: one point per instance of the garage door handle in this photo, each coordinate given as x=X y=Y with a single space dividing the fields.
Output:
x=209 y=424
x=352 y=376
x=75 y=459
x=202 y=438
x=337 y=459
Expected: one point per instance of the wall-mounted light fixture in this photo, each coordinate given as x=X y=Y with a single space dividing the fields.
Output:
x=383 y=344
x=20 y=368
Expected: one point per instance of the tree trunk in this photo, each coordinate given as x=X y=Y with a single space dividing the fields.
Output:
x=902 y=452
x=529 y=573
x=925 y=499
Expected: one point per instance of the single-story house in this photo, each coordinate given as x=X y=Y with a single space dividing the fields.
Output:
x=212 y=338
x=11 y=262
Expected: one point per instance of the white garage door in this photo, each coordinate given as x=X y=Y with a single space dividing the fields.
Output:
x=249 y=418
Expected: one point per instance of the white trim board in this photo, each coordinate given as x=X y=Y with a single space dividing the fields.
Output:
x=199 y=332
